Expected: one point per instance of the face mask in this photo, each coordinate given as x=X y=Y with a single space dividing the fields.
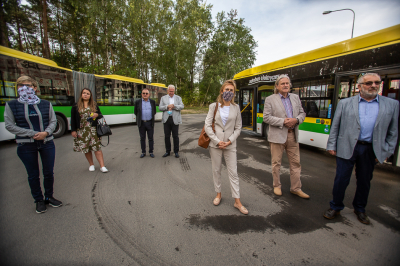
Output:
x=227 y=95
x=27 y=95
x=170 y=112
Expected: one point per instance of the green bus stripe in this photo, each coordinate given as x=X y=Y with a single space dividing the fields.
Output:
x=2 y=108
x=317 y=128
x=105 y=110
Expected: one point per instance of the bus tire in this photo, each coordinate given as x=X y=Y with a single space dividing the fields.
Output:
x=61 y=127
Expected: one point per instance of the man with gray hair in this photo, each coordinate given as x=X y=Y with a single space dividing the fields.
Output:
x=363 y=132
x=171 y=105
x=283 y=112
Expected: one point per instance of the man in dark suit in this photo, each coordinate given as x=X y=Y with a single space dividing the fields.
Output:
x=145 y=110
x=363 y=132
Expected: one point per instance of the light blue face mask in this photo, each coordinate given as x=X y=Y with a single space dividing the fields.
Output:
x=170 y=112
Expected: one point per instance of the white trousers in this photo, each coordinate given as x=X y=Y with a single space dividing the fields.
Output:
x=231 y=164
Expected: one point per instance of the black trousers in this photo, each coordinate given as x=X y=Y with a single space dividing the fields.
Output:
x=169 y=127
x=146 y=127
x=364 y=160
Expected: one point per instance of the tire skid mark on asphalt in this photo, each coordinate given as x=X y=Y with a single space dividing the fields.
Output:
x=120 y=235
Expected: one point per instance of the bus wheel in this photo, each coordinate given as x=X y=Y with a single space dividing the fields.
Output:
x=265 y=131
x=60 y=127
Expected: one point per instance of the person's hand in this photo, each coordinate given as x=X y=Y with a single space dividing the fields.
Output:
x=95 y=115
x=40 y=135
x=170 y=106
x=331 y=152
x=290 y=122
x=74 y=134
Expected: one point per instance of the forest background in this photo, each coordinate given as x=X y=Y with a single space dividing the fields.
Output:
x=158 y=41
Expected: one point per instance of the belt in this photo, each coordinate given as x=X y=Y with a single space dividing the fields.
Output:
x=363 y=142
x=290 y=130
x=147 y=120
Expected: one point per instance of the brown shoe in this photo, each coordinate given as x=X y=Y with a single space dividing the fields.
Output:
x=362 y=217
x=331 y=213
x=217 y=201
x=278 y=191
x=242 y=209
x=301 y=194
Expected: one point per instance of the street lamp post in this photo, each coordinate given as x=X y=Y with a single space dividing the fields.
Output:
x=354 y=17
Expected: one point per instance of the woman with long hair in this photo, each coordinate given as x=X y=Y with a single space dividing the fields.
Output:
x=33 y=121
x=84 y=119
x=228 y=124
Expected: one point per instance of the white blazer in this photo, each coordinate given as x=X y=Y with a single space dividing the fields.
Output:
x=230 y=131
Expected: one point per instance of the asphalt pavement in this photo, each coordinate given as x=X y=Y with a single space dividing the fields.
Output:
x=160 y=212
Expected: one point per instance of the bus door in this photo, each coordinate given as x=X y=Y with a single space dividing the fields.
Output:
x=246 y=103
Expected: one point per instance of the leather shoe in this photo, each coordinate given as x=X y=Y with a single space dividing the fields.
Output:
x=142 y=155
x=362 y=217
x=242 y=209
x=151 y=155
x=278 y=191
x=301 y=194
x=166 y=154
x=217 y=201
x=176 y=155
x=331 y=213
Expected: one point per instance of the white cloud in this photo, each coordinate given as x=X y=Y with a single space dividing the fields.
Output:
x=288 y=27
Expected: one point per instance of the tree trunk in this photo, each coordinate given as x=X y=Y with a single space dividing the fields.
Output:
x=46 y=47
x=3 y=28
x=19 y=31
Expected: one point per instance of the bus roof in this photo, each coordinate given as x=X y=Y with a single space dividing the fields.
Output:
x=123 y=78
x=368 y=41
x=158 y=85
x=21 y=55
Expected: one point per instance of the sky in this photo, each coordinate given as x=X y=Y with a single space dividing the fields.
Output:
x=283 y=28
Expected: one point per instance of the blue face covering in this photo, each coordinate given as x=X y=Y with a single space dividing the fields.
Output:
x=170 y=112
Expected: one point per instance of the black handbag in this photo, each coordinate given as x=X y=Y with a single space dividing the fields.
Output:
x=103 y=129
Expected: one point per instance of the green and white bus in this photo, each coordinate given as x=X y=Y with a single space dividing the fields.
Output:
x=115 y=94
x=321 y=78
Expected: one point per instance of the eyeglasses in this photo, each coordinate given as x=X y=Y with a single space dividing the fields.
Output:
x=145 y=93
x=28 y=85
x=369 y=83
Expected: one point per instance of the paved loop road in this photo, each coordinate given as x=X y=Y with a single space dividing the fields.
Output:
x=159 y=211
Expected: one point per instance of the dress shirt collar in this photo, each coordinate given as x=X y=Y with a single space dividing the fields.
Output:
x=376 y=99
x=145 y=101
x=288 y=95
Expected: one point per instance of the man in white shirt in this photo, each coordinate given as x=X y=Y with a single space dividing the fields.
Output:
x=171 y=105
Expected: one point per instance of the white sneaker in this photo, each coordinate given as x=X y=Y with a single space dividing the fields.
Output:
x=91 y=168
x=104 y=169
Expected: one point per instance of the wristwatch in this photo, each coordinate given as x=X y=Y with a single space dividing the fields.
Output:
x=298 y=122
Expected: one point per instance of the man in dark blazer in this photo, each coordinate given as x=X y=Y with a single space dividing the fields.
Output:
x=363 y=132
x=145 y=110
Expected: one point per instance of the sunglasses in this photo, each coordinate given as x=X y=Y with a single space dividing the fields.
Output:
x=145 y=93
x=369 y=83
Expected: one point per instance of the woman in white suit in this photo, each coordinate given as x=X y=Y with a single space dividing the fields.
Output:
x=228 y=124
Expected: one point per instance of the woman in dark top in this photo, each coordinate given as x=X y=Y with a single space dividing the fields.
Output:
x=84 y=118
x=33 y=121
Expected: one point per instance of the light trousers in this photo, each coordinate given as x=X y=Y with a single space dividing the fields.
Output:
x=231 y=163
x=293 y=154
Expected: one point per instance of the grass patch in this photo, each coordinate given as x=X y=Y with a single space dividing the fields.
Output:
x=195 y=110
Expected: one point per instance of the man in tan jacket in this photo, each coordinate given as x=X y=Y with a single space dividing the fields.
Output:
x=283 y=112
